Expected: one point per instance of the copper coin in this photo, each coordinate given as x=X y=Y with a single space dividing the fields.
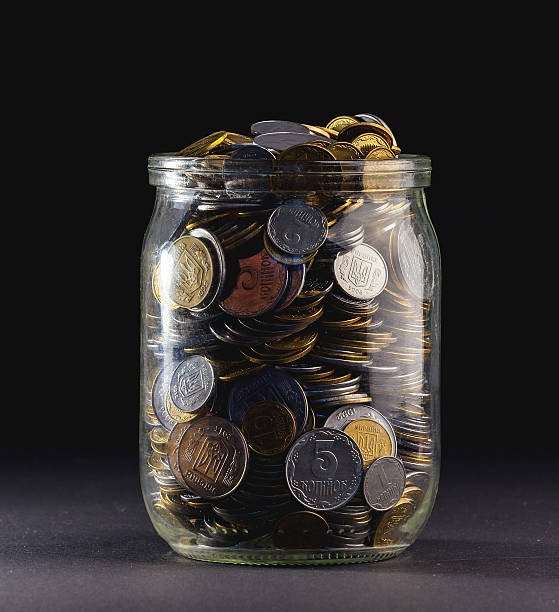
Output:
x=294 y=286
x=260 y=284
x=212 y=457
x=301 y=530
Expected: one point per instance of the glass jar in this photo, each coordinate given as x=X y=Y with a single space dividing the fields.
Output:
x=290 y=358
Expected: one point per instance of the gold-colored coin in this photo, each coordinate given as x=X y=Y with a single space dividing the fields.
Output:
x=293 y=343
x=234 y=373
x=190 y=272
x=306 y=152
x=415 y=494
x=386 y=533
x=204 y=145
x=344 y=151
x=269 y=428
x=380 y=153
x=321 y=131
x=368 y=141
x=351 y=132
x=339 y=123
x=180 y=416
x=372 y=439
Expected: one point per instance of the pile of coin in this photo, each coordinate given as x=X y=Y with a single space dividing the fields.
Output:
x=287 y=334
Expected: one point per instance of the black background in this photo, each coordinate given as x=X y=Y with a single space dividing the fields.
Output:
x=441 y=97
x=98 y=94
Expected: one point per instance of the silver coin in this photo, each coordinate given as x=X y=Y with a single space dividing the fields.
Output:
x=279 y=141
x=297 y=228
x=374 y=119
x=418 y=479
x=192 y=383
x=159 y=393
x=273 y=125
x=384 y=483
x=362 y=272
x=343 y=416
x=324 y=468
x=414 y=263
x=252 y=152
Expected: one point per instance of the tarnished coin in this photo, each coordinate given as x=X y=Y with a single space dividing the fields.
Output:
x=384 y=483
x=324 y=468
x=268 y=385
x=272 y=125
x=186 y=272
x=213 y=457
x=361 y=272
x=192 y=383
x=302 y=530
x=280 y=141
x=380 y=153
x=260 y=284
x=386 y=533
x=269 y=428
x=372 y=438
x=297 y=228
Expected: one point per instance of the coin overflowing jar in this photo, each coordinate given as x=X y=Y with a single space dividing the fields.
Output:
x=290 y=345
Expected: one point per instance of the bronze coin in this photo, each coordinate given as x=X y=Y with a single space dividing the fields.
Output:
x=260 y=284
x=213 y=457
x=301 y=530
x=294 y=286
x=351 y=132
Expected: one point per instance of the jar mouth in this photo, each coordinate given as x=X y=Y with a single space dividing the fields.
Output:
x=406 y=171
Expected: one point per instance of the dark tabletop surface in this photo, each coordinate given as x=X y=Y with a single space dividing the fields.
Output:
x=74 y=535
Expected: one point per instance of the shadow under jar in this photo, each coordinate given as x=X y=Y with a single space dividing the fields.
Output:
x=290 y=359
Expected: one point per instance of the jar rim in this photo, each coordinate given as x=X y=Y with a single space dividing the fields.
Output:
x=405 y=162
x=408 y=171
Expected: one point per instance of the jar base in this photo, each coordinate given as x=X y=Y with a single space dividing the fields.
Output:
x=259 y=556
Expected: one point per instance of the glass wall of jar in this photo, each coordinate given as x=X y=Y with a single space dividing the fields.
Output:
x=290 y=359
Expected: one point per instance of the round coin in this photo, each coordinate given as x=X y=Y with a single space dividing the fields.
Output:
x=324 y=468
x=361 y=272
x=380 y=153
x=192 y=383
x=384 y=483
x=386 y=531
x=269 y=428
x=268 y=385
x=339 y=123
x=159 y=392
x=186 y=272
x=301 y=530
x=369 y=141
x=260 y=284
x=213 y=457
x=252 y=152
x=298 y=229
x=307 y=152
x=372 y=438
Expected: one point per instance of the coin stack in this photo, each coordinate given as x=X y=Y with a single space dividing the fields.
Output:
x=288 y=331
